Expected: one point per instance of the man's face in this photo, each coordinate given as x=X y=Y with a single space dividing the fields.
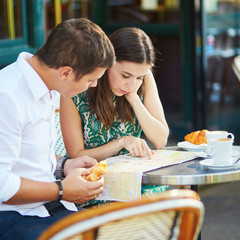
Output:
x=74 y=86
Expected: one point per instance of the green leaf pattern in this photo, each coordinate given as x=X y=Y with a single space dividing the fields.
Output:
x=95 y=134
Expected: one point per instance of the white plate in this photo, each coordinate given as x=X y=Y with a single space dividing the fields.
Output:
x=209 y=163
x=192 y=147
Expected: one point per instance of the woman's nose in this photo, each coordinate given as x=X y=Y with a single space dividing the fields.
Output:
x=131 y=84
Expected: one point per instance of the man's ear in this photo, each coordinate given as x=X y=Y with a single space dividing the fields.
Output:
x=65 y=73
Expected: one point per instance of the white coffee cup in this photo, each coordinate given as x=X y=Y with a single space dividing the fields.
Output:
x=217 y=134
x=220 y=150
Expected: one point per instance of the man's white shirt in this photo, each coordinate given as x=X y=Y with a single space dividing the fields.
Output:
x=27 y=134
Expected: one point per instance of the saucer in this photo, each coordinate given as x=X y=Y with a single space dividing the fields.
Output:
x=192 y=147
x=234 y=153
x=209 y=163
x=205 y=155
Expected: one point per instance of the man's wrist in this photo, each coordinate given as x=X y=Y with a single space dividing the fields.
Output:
x=59 y=172
x=62 y=167
x=59 y=183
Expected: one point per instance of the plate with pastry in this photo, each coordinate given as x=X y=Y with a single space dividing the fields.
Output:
x=192 y=147
x=195 y=141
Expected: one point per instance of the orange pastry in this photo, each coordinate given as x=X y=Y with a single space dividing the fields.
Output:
x=96 y=171
x=197 y=137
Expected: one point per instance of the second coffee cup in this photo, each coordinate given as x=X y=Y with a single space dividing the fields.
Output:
x=220 y=150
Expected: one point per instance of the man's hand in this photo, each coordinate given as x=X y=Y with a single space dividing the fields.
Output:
x=78 y=190
x=80 y=162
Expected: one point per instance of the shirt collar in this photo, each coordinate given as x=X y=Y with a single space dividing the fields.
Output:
x=36 y=84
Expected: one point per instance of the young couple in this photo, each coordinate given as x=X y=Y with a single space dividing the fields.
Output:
x=122 y=99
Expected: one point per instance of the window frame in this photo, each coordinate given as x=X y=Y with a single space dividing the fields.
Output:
x=33 y=32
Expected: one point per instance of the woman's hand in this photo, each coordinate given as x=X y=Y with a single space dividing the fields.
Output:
x=131 y=95
x=136 y=146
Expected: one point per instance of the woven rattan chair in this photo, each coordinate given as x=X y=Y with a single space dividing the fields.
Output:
x=174 y=214
x=59 y=146
x=236 y=67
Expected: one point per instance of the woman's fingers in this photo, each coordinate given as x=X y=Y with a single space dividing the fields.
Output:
x=146 y=150
x=139 y=148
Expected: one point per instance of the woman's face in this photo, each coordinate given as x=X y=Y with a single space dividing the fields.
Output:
x=124 y=76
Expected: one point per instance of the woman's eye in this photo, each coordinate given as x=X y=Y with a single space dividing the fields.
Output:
x=140 y=78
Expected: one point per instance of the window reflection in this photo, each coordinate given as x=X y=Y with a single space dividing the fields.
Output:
x=222 y=45
x=10 y=19
x=145 y=11
x=59 y=10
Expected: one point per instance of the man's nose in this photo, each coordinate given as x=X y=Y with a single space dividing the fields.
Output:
x=94 y=84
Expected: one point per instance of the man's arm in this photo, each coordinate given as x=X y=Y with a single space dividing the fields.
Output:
x=10 y=147
x=32 y=191
x=80 y=192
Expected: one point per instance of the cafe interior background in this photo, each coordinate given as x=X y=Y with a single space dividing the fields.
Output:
x=195 y=40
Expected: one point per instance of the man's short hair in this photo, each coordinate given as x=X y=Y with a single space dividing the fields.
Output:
x=78 y=43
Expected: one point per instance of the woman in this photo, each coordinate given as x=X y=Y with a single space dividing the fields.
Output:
x=108 y=120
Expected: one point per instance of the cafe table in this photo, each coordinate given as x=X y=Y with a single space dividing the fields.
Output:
x=191 y=173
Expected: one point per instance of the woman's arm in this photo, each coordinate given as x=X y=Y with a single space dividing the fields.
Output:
x=71 y=125
x=150 y=114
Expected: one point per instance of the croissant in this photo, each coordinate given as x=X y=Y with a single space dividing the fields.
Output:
x=197 y=137
x=97 y=171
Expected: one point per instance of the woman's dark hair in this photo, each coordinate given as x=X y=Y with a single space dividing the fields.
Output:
x=78 y=43
x=132 y=45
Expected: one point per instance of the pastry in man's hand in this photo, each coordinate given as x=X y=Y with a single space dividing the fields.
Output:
x=97 y=171
x=197 y=137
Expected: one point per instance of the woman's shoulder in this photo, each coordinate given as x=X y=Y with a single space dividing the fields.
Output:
x=81 y=102
x=81 y=97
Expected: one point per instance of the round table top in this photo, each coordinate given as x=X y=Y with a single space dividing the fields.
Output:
x=190 y=173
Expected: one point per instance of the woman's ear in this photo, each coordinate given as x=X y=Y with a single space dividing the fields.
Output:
x=65 y=73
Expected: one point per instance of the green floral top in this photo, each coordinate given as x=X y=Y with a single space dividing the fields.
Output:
x=95 y=134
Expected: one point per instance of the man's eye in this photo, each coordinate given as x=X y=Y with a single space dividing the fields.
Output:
x=125 y=76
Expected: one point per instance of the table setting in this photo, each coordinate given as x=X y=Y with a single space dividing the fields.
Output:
x=215 y=147
x=217 y=162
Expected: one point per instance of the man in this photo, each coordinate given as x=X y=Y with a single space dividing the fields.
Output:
x=75 y=55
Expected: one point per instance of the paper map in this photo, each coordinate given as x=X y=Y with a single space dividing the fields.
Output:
x=123 y=178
